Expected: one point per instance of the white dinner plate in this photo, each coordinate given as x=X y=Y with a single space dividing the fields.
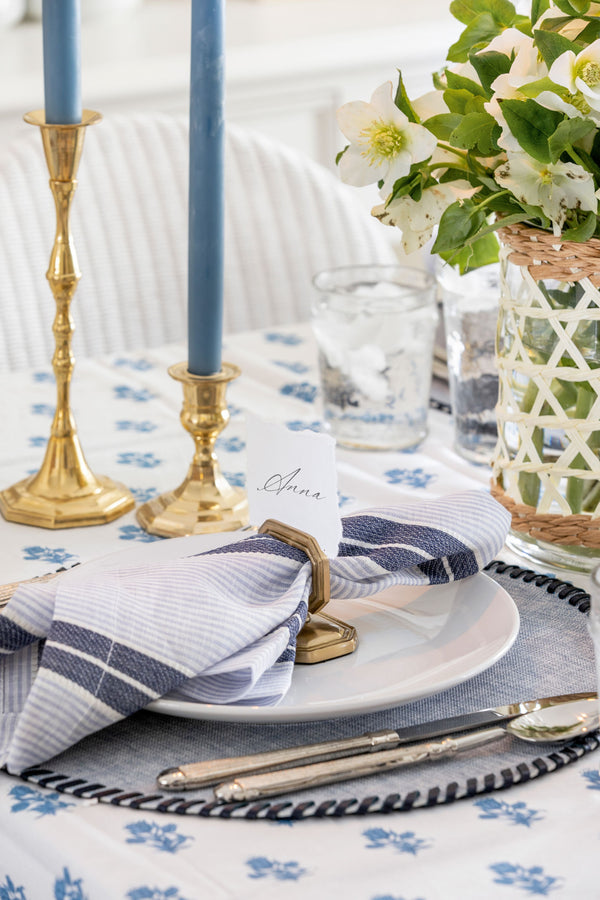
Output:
x=412 y=642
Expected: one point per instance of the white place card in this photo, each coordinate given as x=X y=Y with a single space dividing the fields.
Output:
x=292 y=477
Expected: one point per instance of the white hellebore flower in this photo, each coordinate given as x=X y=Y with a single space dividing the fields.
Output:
x=555 y=187
x=383 y=142
x=416 y=220
x=580 y=74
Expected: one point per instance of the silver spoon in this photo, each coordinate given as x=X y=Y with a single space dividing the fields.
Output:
x=551 y=725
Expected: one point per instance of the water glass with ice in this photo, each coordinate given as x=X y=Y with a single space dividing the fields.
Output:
x=471 y=303
x=375 y=329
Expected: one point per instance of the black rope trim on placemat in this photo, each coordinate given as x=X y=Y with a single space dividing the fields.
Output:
x=286 y=809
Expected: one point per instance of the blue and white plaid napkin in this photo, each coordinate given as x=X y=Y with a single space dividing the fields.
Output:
x=79 y=654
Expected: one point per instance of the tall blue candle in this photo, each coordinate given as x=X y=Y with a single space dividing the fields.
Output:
x=61 y=25
x=206 y=189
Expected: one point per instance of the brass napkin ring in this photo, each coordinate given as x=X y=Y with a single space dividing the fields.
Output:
x=323 y=636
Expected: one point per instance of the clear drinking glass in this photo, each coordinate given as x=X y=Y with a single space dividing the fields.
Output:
x=471 y=304
x=375 y=330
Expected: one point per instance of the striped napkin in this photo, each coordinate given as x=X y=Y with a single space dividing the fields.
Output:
x=80 y=652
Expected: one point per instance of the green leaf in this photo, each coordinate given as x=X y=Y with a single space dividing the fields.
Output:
x=458 y=223
x=478 y=33
x=583 y=231
x=534 y=88
x=411 y=185
x=573 y=7
x=463 y=102
x=459 y=82
x=532 y=125
x=556 y=24
x=477 y=131
x=466 y=10
x=482 y=252
x=568 y=132
x=442 y=125
x=589 y=33
x=489 y=65
x=552 y=45
x=537 y=8
x=402 y=101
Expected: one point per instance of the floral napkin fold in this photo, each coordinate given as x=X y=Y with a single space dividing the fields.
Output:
x=82 y=651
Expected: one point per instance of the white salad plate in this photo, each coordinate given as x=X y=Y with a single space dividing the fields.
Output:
x=412 y=642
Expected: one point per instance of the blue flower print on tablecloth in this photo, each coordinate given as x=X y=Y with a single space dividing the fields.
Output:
x=299 y=425
x=298 y=368
x=10 y=891
x=592 y=776
x=153 y=893
x=35 y=801
x=271 y=868
x=139 y=460
x=402 y=842
x=38 y=440
x=416 y=478
x=532 y=881
x=234 y=410
x=138 y=365
x=43 y=377
x=516 y=813
x=142 y=495
x=42 y=409
x=55 y=555
x=344 y=499
x=302 y=391
x=236 y=479
x=390 y=897
x=67 y=888
x=125 y=392
x=129 y=425
x=165 y=838
x=135 y=533
x=279 y=337
x=231 y=444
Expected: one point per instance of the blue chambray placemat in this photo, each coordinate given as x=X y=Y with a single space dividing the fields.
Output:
x=553 y=654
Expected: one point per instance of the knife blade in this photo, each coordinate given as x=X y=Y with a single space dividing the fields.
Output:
x=191 y=776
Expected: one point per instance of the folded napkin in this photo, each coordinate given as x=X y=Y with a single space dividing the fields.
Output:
x=82 y=651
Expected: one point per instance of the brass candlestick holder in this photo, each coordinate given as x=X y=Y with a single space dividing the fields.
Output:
x=204 y=502
x=64 y=493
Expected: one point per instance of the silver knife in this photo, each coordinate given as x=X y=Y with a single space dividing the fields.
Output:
x=196 y=775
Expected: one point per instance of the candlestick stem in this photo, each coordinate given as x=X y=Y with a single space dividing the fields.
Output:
x=65 y=492
x=204 y=502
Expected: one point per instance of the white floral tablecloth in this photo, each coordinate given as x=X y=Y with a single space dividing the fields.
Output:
x=538 y=839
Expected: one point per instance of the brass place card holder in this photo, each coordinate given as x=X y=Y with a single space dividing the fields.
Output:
x=322 y=637
x=64 y=493
x=204 y=502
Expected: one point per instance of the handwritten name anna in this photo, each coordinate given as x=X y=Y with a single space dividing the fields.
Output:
x=277 y=484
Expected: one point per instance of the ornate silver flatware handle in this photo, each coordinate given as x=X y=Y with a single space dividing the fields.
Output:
x=212 y=771
x=269 y=784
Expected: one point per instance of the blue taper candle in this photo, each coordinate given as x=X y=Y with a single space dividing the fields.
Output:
x=61 y=26
x=206 y=189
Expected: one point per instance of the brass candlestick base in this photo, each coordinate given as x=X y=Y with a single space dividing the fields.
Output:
x=64 y=493
x=205 y=502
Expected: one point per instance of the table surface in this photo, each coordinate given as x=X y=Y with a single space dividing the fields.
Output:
x=541 y=838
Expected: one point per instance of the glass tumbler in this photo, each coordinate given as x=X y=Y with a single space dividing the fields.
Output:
x=375 y=329
x=471 y=304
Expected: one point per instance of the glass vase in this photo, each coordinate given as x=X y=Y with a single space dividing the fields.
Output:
x=546 y=467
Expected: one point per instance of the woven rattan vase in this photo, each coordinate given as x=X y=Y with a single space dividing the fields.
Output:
x=546 y=468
